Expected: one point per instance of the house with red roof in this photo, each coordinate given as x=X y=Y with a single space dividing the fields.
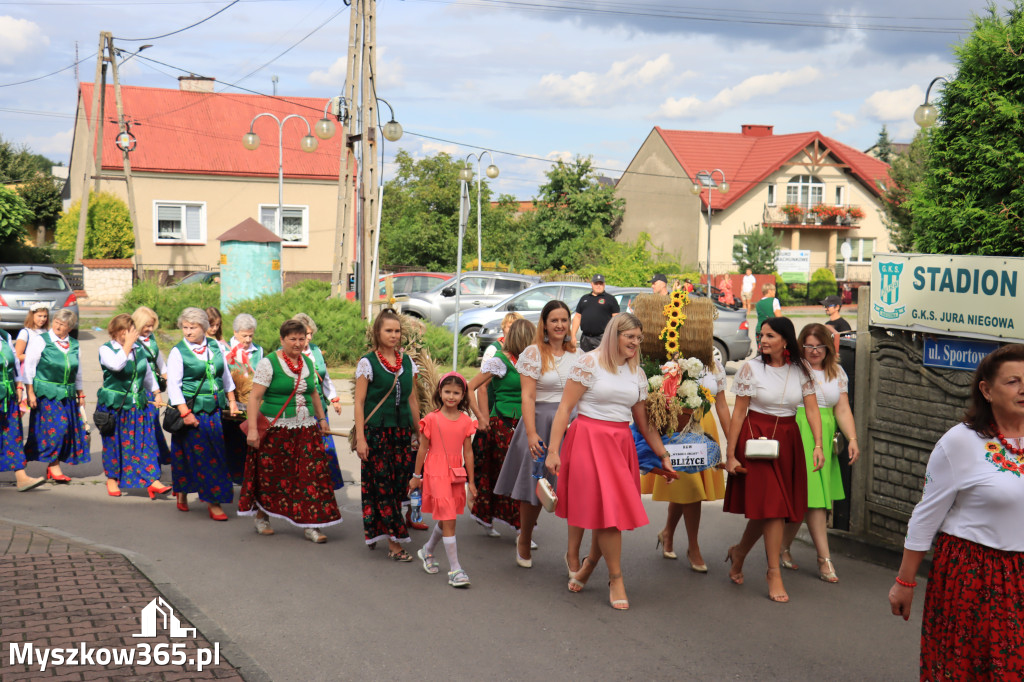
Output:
x=194 y=180
x=814 y=191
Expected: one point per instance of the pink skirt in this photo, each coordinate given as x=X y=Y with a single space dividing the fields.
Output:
x=599 y=480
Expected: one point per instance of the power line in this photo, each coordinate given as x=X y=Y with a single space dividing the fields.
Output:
x=53 y=73
x=293 y=46
x=201 y=21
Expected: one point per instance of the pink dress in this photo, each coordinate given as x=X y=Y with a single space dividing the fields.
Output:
x=443 y=499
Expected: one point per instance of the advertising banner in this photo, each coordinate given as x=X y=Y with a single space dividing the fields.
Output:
x=979 y=297
x=793 y=265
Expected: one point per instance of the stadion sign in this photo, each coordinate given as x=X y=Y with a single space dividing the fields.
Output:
x=979 y=297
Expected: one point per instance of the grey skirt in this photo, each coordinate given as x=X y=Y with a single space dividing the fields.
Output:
x=516 y=478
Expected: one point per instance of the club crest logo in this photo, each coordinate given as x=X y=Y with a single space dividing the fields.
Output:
x=889 y=291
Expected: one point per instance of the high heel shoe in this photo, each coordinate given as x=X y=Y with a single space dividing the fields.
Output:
x=736 y=578
x=217 y=517
x=56 y=478
x=113 y=490
x=787 y=562
x=617 y=604
x=156 y=489
x=826 y=571
x=664 y=554
x=777 y=597
x=182 y=503
x=575 y=584
x=696 y=568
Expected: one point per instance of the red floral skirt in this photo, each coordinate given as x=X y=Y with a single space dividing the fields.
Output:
x=973 y=613
x=489 y=448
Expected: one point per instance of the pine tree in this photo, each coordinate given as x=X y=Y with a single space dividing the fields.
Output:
x=883 y=147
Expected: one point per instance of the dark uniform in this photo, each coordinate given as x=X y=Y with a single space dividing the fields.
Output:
x=839 y=324
x=595 y=311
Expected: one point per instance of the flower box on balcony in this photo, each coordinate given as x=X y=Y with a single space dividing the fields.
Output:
x=794 y=214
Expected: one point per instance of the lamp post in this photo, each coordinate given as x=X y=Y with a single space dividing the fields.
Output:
x=492 y=172
x=926 y=114
x=308 y=144
x=465 y=177
x=707 y=179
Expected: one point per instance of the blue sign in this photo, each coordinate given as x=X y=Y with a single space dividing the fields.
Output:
x=952 y=353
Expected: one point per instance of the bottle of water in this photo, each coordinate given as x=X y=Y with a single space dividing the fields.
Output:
x=415 y=501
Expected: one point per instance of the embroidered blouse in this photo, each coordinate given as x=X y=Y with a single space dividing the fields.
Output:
x=304 y=416
x=828 y=392
x=776 y=391
x=551 y=383
x=610 y=396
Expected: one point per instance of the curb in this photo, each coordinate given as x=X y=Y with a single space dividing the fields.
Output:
x=247 y=667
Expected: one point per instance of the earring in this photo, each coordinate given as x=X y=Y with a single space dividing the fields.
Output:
x=545 y=338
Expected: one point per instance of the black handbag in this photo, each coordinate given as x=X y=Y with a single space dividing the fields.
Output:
x=106 y=423
x=173 y=421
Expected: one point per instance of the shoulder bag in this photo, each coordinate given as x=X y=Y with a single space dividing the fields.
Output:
x=173 y=421
x=262 y=423
x=762 y=447
x=459 y=474
x=352 y=433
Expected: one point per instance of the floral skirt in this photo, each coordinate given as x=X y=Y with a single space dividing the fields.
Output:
x=164 y=452
x=56 y=433
x=385 y=482
x=332 y=459
x=12 y=453
x=130 y=454
x=489 y=448
x=288 y=478
x=973 y=613
x=198 y=463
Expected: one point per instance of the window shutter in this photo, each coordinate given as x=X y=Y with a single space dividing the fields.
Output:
x=193 y=223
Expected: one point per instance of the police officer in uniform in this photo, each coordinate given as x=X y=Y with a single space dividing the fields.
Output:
x=593 y=313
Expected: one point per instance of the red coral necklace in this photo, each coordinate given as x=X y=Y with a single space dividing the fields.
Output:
x=1019 y=452
x=391 y=367
x=296 y=369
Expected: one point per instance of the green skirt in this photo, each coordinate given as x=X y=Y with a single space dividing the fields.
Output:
x=826 y=485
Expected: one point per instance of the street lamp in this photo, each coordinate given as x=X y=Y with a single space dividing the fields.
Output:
x=465 y=177
x=308 y=144
x=707 y=179
x=926 y=114
x=492 y=172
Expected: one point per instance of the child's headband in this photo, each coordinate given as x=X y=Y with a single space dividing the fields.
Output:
x=465 y=384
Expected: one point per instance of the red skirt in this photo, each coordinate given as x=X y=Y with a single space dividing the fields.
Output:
x=599 y=478
x=973 y=613
x=771 y=488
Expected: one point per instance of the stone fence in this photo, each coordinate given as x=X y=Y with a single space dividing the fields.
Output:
x=107 y=280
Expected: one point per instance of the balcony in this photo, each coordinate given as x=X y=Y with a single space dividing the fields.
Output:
x=823 y=216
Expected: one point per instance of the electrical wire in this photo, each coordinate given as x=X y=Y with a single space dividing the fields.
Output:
x=52 y=73
x=291 y=47
x=180 y=30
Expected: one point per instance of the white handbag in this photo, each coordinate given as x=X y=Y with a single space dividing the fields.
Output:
x=545 y=493
x=763 y=447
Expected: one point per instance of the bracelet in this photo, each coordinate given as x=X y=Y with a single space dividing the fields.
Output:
x=900 y=581
x=335 y=400
x=818 y=447
x=420 y=476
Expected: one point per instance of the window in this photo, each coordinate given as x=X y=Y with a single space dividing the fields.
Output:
x=572 y=296
x=771 y=195
x=840 y=199
x=178 y=222
x=860 y=250
x=508 y=286
x=33 y=281
x=533 y=301
x=805 y=190
x=474 y=285
x=296 y=224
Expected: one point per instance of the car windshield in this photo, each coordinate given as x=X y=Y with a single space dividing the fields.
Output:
x=33 y=281
x=194 y=278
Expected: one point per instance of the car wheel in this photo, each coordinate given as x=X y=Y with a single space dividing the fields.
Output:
x=720 y=353
x=472 y=333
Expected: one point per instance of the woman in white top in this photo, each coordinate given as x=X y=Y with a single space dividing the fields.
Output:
x=599 y=475
x=974 y=501
x=831 y=388
x=543 y=370
x=36 y=322
x=769 y=492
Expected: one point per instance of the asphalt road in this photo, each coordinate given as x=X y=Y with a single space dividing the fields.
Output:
x=338 y=611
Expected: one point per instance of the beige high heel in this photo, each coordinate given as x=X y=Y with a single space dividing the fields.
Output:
x=786 y=559
x=664 y=554
x=617 y=604
x=828 y=575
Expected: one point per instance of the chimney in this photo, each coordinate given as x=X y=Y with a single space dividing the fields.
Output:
x=194 y=83
x=751 y=130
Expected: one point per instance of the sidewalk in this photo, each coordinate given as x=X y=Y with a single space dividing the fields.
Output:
x=56 y=593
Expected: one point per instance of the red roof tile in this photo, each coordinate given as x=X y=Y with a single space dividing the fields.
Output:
x=201 y=133
x=746 y=160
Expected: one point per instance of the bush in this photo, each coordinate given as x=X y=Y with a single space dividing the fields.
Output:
x=108 y=229
x=168 y=302
x=823 y=283
x=438 y=341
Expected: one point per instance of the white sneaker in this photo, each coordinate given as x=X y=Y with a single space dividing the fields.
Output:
x=492 y=532
x=314 y=535
x=458 y=578
x=263 y=526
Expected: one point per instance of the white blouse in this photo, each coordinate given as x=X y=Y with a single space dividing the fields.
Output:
x=176 y=372
x=365 y=369
x=713 y=379
x=776 y=391
x=610 y=396
x=829 y=392
x=264 y=374
x=551 y=383
x=115 y=360
x=34 y=351
x=494 y=366
x=974 y=490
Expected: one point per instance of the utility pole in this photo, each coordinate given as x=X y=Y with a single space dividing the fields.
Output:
x=344 y=228
x=99 y=85
x=368 y=157
x=127 y=165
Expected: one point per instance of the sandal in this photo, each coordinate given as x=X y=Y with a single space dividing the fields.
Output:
x=617 y=604
x=826 y=571
x=786 y=559
x=736 y=578
x=575 y=584
x=400 y=555
x=430 y=564
x=777 y=597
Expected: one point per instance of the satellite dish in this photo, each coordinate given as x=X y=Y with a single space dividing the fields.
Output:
x=845 y=250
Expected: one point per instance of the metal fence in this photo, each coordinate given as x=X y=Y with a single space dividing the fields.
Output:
x=169 y=273
x=74 y=273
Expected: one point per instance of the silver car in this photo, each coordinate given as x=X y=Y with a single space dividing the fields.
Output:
x=23 y=285
x=479 y=290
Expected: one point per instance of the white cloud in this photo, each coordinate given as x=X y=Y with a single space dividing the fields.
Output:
x=18 y=36
x=588 y=88
x=555 y=156
x=844 y=121
x=333 y=77
x=430 y=147
x=56 y=146
x=761 y=85
x=893 y=105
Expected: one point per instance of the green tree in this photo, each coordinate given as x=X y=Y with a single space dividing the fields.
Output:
x=971 y=200
x=883 y=146
x=626 y=264
x=14 y=215
x=906 y=171
x=42 y=195
x=18 y=164
x=108 y=230
x=570 y=206
x=756 y=248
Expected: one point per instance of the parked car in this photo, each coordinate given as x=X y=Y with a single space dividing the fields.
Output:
x=23 y=285
x=202 y=277
x=478 y=290
x=413 y=282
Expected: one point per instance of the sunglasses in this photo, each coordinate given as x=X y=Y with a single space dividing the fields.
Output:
x=815 y=349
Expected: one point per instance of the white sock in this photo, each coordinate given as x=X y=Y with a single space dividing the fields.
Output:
x=453 y=553
x=435 y=535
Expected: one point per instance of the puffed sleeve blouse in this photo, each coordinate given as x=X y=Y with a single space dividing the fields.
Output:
x=610 y=396
x=775 y=391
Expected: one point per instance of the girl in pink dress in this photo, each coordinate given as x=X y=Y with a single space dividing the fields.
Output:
x=444 y=465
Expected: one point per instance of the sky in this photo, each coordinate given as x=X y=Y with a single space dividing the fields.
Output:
x=532 y=81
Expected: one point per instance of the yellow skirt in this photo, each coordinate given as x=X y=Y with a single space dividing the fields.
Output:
x=707 y=486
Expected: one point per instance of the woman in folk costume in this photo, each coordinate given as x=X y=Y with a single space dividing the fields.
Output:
x=147 y=322
x=328 y=396
x=242 y=358
x=12 y=387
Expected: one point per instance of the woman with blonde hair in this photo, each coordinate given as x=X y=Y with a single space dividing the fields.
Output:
x=599 y=474
x=824 y=485
x=147 y=322
x=36 y=322
x=543 y=371
x=495 y=424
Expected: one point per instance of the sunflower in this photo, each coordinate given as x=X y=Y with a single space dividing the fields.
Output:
x=671 y=335
x=673 y=316
x=672 y=347
x=992 y=447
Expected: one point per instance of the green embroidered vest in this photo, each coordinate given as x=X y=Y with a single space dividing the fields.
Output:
x=508 y=401
x=56 y=371
x=395 y=411
x=282 y=385
x=123 y=388
x=147 y=352
x=211 y=397
x=320 y=365
x=8 y=369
